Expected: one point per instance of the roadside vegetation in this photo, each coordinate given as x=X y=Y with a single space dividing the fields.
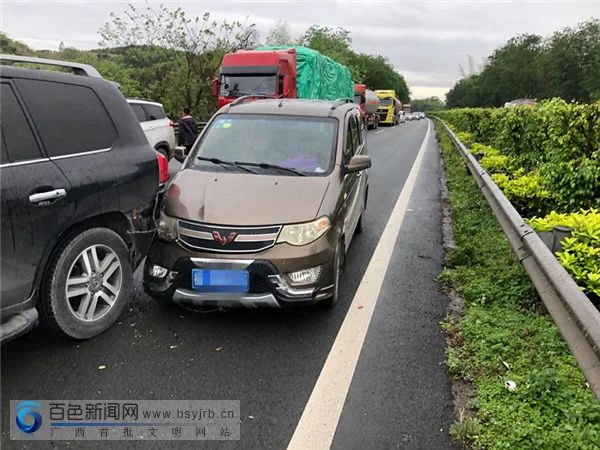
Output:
x=161 y=54
x=427 y=104
x=546 y=160
x=565 y=64
x=502 y=335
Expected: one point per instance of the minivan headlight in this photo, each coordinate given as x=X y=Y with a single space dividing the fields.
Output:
x=304 y=233
x=166 y=227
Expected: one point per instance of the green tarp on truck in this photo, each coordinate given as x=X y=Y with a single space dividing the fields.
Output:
x=318 y=76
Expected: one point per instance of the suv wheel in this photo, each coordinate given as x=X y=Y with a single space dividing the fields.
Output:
x=87 y=285
x=338 y=265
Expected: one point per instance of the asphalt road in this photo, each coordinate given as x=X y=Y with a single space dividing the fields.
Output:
x=270 y=360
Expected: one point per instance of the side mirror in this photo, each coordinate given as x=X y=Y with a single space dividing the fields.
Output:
x=358 y=163
x=215 y=86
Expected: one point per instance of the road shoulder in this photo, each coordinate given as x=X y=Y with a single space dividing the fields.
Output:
x=400 y=395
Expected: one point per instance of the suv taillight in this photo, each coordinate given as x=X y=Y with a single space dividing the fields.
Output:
x=163 y=168
x=171 y=124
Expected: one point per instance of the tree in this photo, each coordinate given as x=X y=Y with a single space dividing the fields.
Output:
x=428 y=104
x=565 y=65
x=11 y=47
x=373 y=70
x=175 y=56
x=279 y=35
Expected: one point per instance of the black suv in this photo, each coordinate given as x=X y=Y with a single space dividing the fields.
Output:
x=79 y=182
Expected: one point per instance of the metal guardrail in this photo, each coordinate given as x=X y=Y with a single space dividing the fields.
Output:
x=574 y=314
x=201 y=126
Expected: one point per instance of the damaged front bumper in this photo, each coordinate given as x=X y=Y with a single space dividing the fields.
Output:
x=267 y=287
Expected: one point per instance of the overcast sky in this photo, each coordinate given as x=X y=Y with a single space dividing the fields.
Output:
x=426 y=41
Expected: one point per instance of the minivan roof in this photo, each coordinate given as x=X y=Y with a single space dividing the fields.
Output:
x=291 y=107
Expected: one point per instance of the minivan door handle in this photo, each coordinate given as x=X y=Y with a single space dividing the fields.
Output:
x=47 y=197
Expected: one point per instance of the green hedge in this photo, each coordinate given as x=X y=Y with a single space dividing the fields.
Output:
x=558 y=140
x=546 y=160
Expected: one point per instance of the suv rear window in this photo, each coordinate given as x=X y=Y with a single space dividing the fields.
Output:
x=18 y=143
x=154 y=112
x=305 y=144
x=69 y=118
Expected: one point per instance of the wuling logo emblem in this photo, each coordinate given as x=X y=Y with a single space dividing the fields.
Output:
x=224 y=240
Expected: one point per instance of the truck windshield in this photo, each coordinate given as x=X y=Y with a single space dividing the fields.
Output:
x=386 y=101
x=304 y=144
x=238 y=85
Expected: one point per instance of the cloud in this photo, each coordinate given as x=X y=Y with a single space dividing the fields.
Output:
x=425 y=41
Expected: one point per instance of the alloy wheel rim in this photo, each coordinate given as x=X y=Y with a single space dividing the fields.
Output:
x=93 y=283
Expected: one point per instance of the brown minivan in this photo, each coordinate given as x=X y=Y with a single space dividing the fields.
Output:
x=264 y=207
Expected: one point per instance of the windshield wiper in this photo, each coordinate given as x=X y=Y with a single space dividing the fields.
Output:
x=225 y=163
x=270 y=166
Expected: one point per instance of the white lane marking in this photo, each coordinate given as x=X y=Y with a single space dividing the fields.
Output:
x=380 y=131
x=321 y=415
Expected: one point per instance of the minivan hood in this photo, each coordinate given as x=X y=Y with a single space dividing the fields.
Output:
x=244 y=199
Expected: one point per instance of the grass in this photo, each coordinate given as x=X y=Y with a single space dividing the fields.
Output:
x=504 y=324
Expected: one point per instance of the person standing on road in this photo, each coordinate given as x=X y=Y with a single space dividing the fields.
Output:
x=188 y=130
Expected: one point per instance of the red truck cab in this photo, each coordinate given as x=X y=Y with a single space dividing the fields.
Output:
x=256 y=72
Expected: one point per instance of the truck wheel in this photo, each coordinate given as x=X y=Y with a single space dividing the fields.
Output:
x=88 y=284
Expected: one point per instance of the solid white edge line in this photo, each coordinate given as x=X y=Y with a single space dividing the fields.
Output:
x=321 y=415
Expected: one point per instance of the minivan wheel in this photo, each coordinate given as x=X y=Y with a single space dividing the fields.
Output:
x=337 y=273
x=88 y=284
x=360 y=226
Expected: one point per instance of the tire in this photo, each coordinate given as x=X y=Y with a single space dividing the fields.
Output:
x=360 y=226
x=92 y=307
x=338 y=265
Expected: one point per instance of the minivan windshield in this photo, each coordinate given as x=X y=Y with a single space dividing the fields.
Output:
x=304 y=144
x=239 y=85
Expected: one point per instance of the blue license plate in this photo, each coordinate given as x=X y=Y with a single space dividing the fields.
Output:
x=209 y=280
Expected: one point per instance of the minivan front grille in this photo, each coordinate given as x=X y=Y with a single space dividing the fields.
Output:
x=226 y=239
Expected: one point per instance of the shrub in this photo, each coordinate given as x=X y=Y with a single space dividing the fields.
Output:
x=580 y=253
x=558 y=140
x=525 y=191
x=465 y=137
x=496 y=163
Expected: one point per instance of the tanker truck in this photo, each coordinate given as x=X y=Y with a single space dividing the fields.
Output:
x=369 y=103
x=281 y=72
x=389 y=107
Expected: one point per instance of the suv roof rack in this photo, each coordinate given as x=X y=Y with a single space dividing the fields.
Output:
x=77 y=68
x=136 y=99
